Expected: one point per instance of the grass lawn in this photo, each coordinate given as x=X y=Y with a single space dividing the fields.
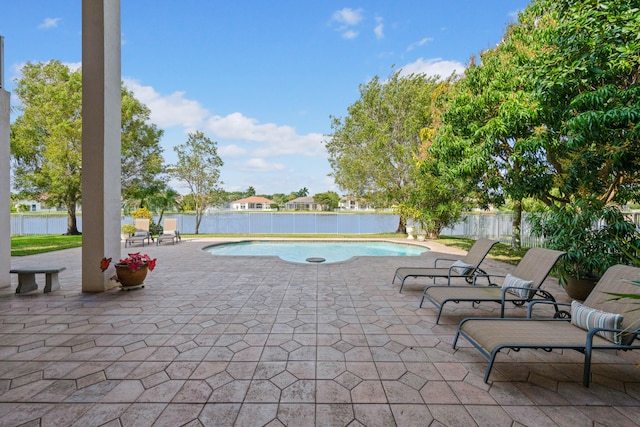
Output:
x=30 y=245
x=500 y=252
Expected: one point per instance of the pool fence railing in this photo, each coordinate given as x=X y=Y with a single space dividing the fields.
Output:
x=497 y=226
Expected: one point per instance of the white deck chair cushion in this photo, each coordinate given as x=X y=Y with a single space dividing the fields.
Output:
x=461 y=268
x=517 y=286
x=586 y=318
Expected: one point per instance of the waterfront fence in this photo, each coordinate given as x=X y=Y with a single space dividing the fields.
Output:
x=474 y=226
x=234 y=223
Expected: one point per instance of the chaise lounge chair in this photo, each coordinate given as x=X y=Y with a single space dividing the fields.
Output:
x=141 y=234
x=465 y=267
x=169 y=231
x=600 y=323
x=519 y=288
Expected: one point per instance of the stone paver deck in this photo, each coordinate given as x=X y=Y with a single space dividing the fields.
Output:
x=235 y=341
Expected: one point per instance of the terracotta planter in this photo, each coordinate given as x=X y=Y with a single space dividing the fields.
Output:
x=579 y=289
x=127 y=277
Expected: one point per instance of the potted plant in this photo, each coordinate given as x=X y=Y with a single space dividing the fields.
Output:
x=593 y=236
x=409 y=229
x=132 y=270
x=418 y=218
x=127 y=230
x=142 y=213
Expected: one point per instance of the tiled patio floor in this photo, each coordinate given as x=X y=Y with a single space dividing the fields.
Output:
x=222 y=341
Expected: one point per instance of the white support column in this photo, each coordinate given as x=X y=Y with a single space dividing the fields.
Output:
x=101 y=126
x=5 y=178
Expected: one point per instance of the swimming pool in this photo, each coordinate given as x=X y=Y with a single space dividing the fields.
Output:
x=315 y=251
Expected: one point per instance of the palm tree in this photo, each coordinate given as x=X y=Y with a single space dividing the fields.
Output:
x=163 y=200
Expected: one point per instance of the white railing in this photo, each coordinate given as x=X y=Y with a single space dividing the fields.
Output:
x=235 y=223
x=474 y=226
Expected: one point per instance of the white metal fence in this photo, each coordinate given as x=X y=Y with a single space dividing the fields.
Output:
x=235 y=223
x=475 y=226
x=493 y=226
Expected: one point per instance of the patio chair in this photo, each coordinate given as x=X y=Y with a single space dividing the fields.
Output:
x=465 y=267
x=169 y=231
x=141 y=234
x=601 y=322
x=518 y=288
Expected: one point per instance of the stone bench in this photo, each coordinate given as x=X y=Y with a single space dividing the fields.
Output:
x=27 y=278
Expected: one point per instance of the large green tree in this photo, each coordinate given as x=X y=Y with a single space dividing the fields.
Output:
x=587 y=78
x=198 y=166
x=488 y=133
x=437 y=200
x=373 y=149
x=46 y=138
x=329 y=200
x=552 y=111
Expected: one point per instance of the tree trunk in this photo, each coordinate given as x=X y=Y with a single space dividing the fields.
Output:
x=435 y=232
x=72 y=222
x=517 y=224
x=402 y=225
x=198 y=219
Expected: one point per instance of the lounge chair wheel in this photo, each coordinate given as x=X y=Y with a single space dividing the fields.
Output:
x=562 y=314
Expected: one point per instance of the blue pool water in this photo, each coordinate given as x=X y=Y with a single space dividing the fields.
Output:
x=329 y=250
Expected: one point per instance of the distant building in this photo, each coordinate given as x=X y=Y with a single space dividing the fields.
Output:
x=253 y=203
x=352 y=203
x=302 y=204
x=39 y=205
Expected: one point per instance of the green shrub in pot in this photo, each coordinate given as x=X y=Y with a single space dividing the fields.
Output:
x=593 y=235
x=128 y=229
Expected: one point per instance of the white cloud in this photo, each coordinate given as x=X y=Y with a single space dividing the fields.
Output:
x=276 y=140
x=433 y=67
x=231 y=150
x=239 y=137
x=419 y=43
x=169 y=110
x=350 y=34
x=347 y=16
x=379 y=29
x=344 y=20
x=73 y=66
x=261 y=165
x=49 y=23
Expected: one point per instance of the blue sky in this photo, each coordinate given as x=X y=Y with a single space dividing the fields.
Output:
x=261 y=78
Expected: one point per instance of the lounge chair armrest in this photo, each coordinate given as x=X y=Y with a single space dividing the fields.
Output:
x=558 y=313
x=435 y=261
x=593 y=331
x=487 y=276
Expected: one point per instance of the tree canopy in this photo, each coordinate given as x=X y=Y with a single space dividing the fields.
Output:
x=373 y=150
x=46 y=139
x=143 y=170
x=330 y=200
x=552 y=111
x=198 y=165
x=587 y=80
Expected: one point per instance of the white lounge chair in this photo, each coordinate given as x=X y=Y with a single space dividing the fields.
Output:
x=141 y=234
x=169 y=231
